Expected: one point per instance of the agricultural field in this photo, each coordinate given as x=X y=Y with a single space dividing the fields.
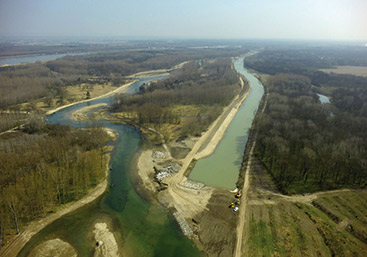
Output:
x=330 y=223
x=351 y=70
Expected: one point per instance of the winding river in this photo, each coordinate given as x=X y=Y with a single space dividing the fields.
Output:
x=221 y=169
x=143 y=228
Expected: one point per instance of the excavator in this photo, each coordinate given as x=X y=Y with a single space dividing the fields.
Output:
x=234 y=205
x=239 y=194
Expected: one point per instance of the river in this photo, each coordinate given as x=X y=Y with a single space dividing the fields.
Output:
x=13 y=60
x=221 y=169
x=144 y=228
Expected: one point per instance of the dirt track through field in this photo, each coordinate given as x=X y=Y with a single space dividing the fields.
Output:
x=243 y=206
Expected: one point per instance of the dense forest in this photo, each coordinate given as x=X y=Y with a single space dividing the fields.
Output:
x=199 y=83
x=45 y=166
x=308 y=146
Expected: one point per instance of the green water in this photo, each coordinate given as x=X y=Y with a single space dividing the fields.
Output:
x=143 y=228
x=221 y=169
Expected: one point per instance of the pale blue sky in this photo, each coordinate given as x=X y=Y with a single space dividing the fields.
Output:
x=280 y=19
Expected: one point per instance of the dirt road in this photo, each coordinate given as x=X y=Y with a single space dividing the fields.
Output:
x=242 y=210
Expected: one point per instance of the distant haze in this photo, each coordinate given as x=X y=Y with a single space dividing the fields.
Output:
x=219 y=19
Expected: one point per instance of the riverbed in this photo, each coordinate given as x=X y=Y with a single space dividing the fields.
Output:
x=221 y=169
x=143 y=228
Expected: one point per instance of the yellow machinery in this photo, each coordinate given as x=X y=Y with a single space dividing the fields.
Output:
x=239 y=194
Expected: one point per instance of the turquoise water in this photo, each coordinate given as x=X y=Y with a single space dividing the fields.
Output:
x=221 y=169
x=144 y=228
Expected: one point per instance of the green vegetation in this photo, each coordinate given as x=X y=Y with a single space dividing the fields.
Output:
x=347 y=209
x=44 y=167
x=307 y=146
x=339 y=241
x=282 y=229
x=298 y=229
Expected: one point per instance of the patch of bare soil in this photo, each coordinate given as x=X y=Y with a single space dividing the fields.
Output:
x=179 y=152
x=352 y=70
x=106 y=245
x=145 y=170
x=53 y=248
x=216 y=227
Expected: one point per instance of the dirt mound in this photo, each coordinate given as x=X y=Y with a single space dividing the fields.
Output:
x=53 y=248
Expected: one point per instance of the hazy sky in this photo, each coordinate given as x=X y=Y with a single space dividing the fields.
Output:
x=282 y=19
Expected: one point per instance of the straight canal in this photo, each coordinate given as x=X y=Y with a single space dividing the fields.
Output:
x=221 y=169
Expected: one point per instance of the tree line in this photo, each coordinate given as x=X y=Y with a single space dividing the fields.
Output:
x=46 y=166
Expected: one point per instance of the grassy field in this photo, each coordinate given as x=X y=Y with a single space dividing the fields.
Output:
x=352 y=70
x=323 y=224
x=337 y=227
x=72 y=94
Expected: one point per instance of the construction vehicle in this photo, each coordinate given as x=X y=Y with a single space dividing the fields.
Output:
x=239 y=194
x=232 y=205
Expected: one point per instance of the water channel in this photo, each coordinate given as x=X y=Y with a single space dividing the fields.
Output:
x=323 y=99
x=13 y=60
x=144 y=228
x=221 y=169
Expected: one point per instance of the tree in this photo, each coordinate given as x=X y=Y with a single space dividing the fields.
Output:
x=87 y=95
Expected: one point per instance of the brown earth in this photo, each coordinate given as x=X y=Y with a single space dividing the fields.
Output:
x=53 y=248
x=352 y=70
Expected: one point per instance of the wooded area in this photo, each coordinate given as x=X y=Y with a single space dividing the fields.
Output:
x=46 y=166
x=199 y=83
x=307 y=146
x=23 y=83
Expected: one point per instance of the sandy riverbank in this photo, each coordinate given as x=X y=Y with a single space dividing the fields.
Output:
x=106 y=245
x=82 y=113
x=53 y=247
x=152 y=73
